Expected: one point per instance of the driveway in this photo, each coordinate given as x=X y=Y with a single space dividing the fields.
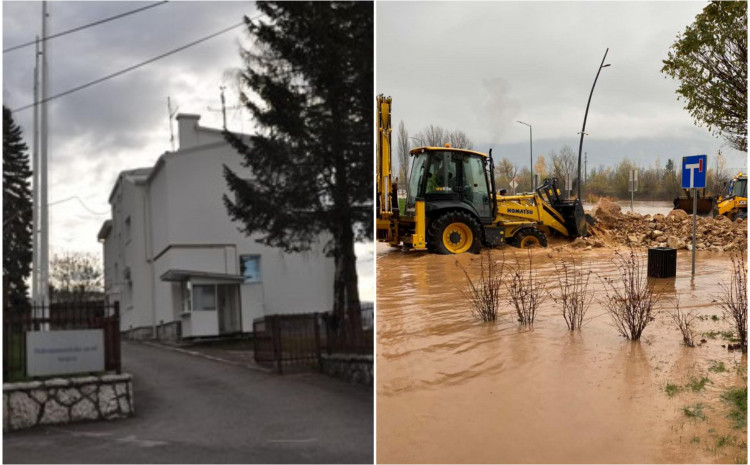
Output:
x=190 y=409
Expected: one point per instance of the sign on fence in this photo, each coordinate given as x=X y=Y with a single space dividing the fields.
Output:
x=64 y=352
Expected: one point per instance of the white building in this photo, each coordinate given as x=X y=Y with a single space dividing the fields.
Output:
x=172 y=254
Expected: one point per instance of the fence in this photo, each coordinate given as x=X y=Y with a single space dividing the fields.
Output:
x=353 y=335
x=58 y=316
x=300 y=340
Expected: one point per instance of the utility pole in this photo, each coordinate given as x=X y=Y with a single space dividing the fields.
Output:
x=531 y=155
x=585 y=170
x=44 y=222
x=35 y=186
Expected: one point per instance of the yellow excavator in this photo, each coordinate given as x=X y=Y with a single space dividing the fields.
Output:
x=452 y=206
x=735 y=204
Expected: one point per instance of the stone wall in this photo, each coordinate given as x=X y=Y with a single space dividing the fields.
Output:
x=351 y=367
x=169 y=332
x=65 y=400
x=142 y=332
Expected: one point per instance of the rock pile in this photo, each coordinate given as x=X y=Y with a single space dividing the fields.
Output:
x=674 y=230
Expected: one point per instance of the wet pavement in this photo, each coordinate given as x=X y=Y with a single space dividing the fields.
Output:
x=192 y=409
x=452 y=389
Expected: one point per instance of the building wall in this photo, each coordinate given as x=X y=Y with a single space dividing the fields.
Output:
x=178 y=221
x=124 y=249
x=197 y=215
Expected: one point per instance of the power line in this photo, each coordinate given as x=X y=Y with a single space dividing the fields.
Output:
x=75 y=197
x=131 y=68
x=85 y=26
x=80 y=201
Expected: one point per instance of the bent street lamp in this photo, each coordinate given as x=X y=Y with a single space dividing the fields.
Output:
x=583 y=130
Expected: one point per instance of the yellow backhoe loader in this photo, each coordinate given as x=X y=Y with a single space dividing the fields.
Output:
x=735 y=204
x=452 y=206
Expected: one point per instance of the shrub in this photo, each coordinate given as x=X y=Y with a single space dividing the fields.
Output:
x=733 y=298
x=573 y=293
x=526 y=292
x=684 y=321
x=484 y=293
x=630 y=298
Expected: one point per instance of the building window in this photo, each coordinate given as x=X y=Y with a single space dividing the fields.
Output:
x=204 y=297
x=250 y=268
x=127 y=229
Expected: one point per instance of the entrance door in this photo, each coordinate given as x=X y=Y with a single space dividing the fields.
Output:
x=475 y=189
x=229 y=321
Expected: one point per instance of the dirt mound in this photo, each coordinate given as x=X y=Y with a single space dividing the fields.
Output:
x=675 y=230
x=606 y=211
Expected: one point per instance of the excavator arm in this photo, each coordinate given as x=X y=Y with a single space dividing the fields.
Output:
x=384 y=163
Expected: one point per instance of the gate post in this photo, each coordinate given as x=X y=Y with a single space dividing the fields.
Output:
x=115 y=330
x=317 y=341
x=278 y=352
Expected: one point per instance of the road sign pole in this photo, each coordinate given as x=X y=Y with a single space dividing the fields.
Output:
x=695 y=212
x=694 y=178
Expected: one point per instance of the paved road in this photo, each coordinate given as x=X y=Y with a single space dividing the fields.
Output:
x=194 y=410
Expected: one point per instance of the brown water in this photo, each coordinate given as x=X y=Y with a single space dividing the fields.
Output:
x=451 y=389
x=645 y=207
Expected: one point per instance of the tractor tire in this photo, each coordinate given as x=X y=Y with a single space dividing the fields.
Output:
x=742 y=214
x=529 y=237
x=453 y=233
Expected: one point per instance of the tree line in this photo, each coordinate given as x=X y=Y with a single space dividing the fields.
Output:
x=660 y=181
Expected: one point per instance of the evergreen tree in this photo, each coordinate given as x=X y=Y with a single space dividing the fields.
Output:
x=16 y=215
x=309 y=79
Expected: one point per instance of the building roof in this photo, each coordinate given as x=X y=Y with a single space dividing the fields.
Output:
x=136 y=175
x=104 y=230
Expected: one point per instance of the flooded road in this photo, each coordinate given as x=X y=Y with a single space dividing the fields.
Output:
x=452 y=389
x=645 y=207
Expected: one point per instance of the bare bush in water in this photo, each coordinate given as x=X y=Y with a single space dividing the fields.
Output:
x=733 y=298
x=631 y=298
x=484 y=293
x=573 y=294
x=526 y=292
x=684 y=321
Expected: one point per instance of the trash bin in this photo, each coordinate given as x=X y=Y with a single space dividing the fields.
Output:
x=662 y=262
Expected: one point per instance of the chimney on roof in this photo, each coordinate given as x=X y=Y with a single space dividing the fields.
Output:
x=187 y=130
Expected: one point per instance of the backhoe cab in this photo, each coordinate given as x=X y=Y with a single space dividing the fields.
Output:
x=451 y=197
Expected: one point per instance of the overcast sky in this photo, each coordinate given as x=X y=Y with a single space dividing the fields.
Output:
x=480 y=66
x=122 y=123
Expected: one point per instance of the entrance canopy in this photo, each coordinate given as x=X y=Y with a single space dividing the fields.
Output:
x=187 y=275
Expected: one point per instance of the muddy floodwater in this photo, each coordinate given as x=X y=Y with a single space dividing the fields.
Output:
x=452 y=389
x=644 y=207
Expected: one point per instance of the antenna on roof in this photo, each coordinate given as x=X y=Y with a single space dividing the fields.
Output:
x=171 y=115
x=223 y=107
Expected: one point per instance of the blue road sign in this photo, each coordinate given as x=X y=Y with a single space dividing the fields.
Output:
x=694 y=171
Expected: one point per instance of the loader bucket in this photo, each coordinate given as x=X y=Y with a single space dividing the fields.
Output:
x=575 y=218
x=705 y=205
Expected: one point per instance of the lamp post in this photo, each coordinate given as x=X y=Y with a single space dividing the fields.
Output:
x=531 y=155
x=583 y=130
